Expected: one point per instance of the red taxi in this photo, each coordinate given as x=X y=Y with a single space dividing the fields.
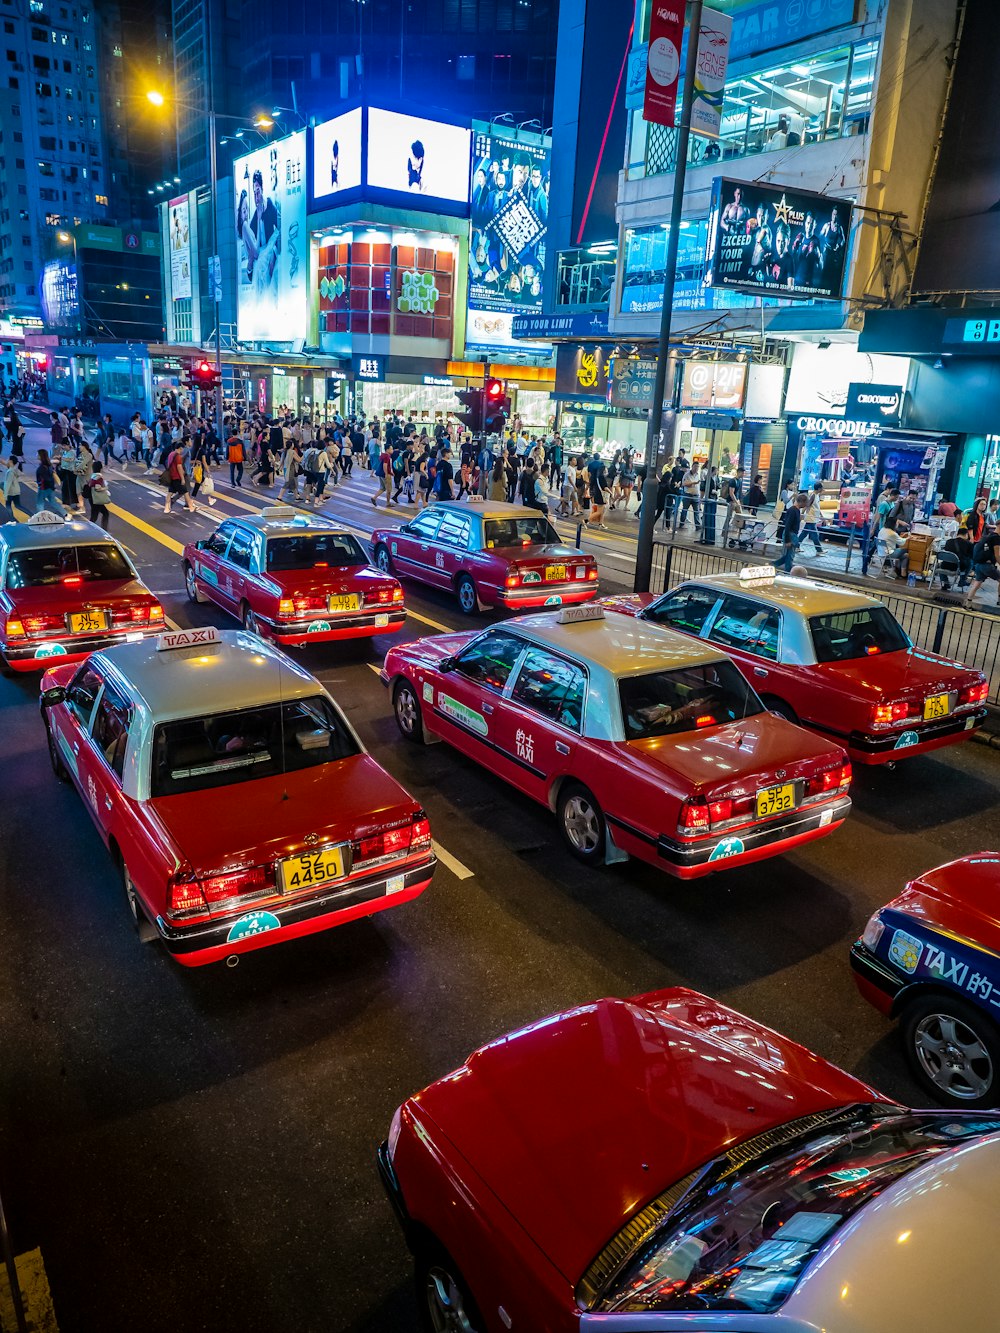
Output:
x=293 y=578
x=666 y=1163
x=66 y=590
x=238 y=804
x=828 y=657
x=499 y=555
x=643 y=744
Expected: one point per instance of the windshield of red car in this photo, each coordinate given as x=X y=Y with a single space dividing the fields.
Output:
x=58 y=564
x=533 y=531
x=194 y=753
x=336 y=550
x=866 y=632
x=665 y=703
x=744 y=1233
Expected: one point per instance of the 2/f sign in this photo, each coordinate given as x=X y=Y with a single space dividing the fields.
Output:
x=666 y=30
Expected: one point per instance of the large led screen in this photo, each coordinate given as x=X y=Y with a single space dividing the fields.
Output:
x=271 y=241
x=510 y=217
x=775 y=241
x=337 y=155
x=409 y=155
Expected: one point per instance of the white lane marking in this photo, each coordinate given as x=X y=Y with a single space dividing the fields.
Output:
x=452 y=863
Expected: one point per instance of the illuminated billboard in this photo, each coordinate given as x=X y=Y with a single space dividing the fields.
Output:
x=179 y=231
x=510 y=215
x=272 y=243
x=774 y=241
x=337 y=155
x=60 y=294
x=410 y=155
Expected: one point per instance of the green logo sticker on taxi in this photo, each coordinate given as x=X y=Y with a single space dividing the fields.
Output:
x=50 y=650
x=463 y=714
x=254 y=923
x=907 y=738
x=727 y=847
x=318 y=627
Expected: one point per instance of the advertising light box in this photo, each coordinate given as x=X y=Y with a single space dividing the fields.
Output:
x=180 y=247
x=337 y=155
x=271 y=241
x=412 y=156
x=773 y=241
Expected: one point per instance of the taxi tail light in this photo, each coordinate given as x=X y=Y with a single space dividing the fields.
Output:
x=286 y=607
x=309 y=604
x=72 y=580
x=397 y=593
x=971 y=694
x=184 y=897
x=720 y=811
x=43 y=624
x=15 y=629
x=219 y=888
x=511 y=581
x=415 y=836
x=382 y=596
x=834 y=779
x=898 y=711
x=695 y=817
x=592 y=573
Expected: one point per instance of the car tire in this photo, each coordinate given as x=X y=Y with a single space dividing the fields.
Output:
x=444 y=1300
x=249 y=620
x=191 y=584
x=55 y=758
x=468 y=598
x=954 y=1051
x=407 y=712
x=383 y=559
x=581 y=822
x=781 y=708
x=141 y=923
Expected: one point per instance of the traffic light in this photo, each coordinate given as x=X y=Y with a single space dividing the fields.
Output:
x=497 y=405
x=204 y=375
x=494 y=390
x=472 y=417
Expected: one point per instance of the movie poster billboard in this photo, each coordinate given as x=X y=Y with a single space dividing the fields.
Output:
x=179 y=219
x=337 y=155
x=272 y=242
x=773 y=241
x=412 y=156
x=510 y=217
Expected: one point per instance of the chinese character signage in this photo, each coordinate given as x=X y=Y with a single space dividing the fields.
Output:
x=776 y=241
x=179 y=231
x=272 y=242
x=370 y=368
x=632 y=382
x=510 y=214
x=663 y=61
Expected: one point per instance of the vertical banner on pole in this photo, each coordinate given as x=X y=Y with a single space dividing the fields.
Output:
x=710 y=77
x=663 y=63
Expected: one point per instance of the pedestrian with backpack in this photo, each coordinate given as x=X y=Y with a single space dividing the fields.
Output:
x=177 y=479
x=98 y=494
x=236 y=456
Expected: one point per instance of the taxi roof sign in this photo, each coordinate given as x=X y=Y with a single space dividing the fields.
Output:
x=187 y=638
x=758 y=574
x=570 y=615
x=44 y=518
x=278 y=512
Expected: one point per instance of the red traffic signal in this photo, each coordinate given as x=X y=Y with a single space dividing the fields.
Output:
x=494 y=391
x=204 y=375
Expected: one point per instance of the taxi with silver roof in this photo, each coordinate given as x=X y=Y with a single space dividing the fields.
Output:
x=643 y=744
x=66 y=590
x=296 y=579
x=828 y=657
x=489 y=555
x=238 y=804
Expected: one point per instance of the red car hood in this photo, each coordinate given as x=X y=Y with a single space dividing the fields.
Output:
x=579 y=1121
x=961 y=898
x=57 y=599
x=909 y=674
x=254 y=823
x=628 y=604
x=753 y=749
x=428 y=652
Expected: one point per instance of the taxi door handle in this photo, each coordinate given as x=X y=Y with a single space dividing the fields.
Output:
x=759 y=671
x=108 y=803
x=76 y=747
x=561 y=749
x=487 y=708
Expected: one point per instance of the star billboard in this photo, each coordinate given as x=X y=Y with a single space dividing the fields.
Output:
x=271 y=242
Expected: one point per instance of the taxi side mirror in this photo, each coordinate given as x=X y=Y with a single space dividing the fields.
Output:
x=200 y=546
x=447 y=664
x=56 y=694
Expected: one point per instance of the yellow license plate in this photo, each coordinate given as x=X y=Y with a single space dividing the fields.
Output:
x=311 y=871
x=345 y=602
x=937 y=705
x=554 y=572
x=775 y=800
x=88 y=622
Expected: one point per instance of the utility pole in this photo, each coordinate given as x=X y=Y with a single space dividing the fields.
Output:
x=644 y=554
x=213 y=162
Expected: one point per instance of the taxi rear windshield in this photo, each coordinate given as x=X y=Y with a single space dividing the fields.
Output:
x=536 y=531
x=666 y=703
x=866 y=632
x=333 y=550
x=196 y=753
x=56 y=564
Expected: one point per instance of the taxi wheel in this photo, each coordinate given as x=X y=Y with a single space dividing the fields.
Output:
x=55 y=759
x=468 y=599
x=445 y=1302
x=582 y=824
x=142 y=925
x=780 y=707
x=406 y=708
x=383 y=559
x=954 y=1050
x=191 y=585
x=249 y=620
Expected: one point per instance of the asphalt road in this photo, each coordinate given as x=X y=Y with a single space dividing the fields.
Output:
x=195 y=1150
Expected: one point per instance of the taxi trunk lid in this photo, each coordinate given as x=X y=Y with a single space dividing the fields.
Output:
x=46 y=610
